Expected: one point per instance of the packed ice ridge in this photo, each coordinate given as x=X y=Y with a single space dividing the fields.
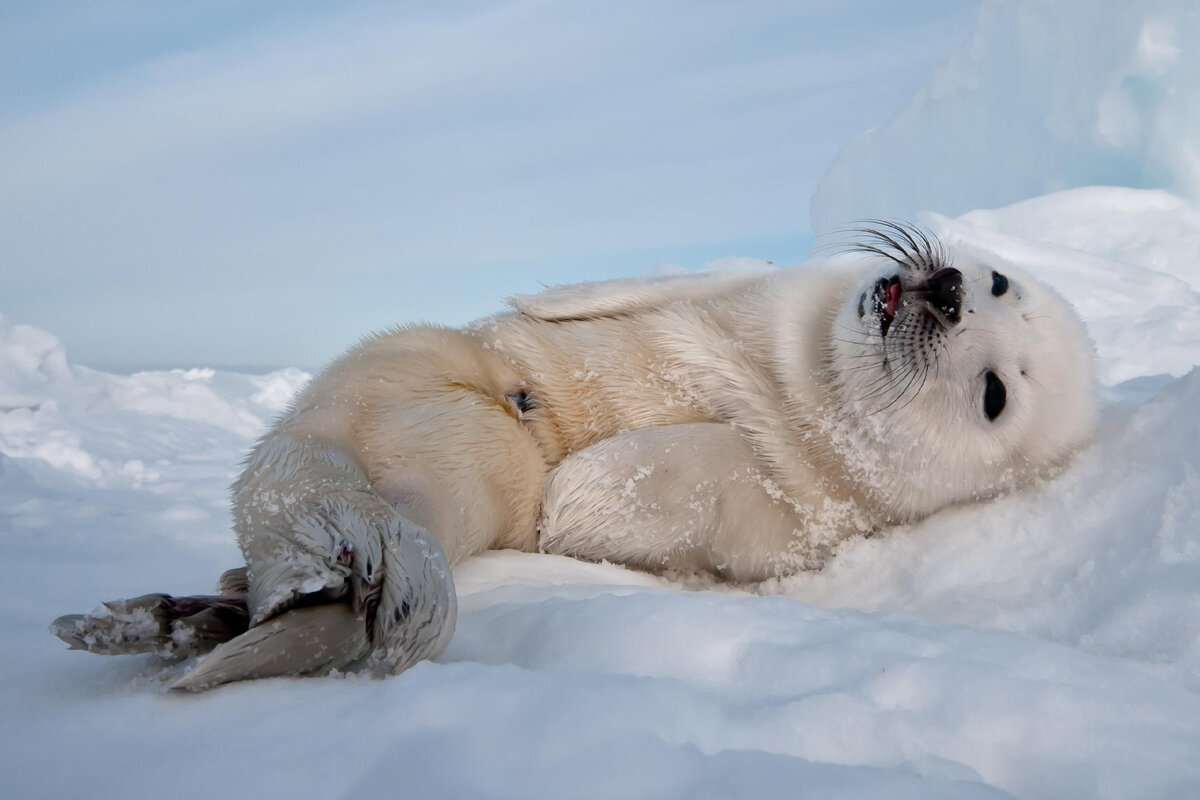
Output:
x=1043 y=96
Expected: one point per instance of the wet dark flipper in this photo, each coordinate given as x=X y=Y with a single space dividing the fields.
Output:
x=302 y=641
x=175 y=627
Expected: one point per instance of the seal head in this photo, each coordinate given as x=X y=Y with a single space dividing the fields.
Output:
x=955 y=379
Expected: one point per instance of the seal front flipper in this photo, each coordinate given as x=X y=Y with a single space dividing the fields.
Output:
x=675 y=497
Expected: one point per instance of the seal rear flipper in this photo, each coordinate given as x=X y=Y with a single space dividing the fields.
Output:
x=174 y=627
x=302 y=641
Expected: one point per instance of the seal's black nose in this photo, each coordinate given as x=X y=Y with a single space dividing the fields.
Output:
x=943 y=291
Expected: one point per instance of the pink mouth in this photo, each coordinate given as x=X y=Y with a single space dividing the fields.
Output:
x=887 y=301
x=892 y=301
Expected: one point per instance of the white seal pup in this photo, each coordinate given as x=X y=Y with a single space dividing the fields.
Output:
x=740 y=424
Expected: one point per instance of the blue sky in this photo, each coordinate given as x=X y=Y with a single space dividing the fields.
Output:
x=221 y=183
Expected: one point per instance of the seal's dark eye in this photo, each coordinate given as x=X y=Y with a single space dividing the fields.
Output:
x=999 y=286
x=994 y=396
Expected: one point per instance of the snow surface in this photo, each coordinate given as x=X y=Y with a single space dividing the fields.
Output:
x=1043 y=96
x=1043 y=645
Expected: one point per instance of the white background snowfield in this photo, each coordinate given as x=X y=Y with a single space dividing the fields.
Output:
x=1043 y=645
x=1046 y=644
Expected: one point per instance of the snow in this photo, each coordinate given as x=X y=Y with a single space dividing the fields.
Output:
x=1128 y=259
x=1042 y=645
x=1043 y=96
x=1045 y=644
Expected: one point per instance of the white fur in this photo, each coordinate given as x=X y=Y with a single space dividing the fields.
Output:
x=723 y=423
x=743 y=425
x=627 y=295
x=793 y=369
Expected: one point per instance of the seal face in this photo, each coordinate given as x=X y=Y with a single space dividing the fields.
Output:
x=965 y=378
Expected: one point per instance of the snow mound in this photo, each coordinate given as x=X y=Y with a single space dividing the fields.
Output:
x=1105 y=558
x=31 y=361
x=1043 y=645
x=1145 y=228
x=202 y=395
x=57 y=421
x=1128 y=259
x=1043 y=96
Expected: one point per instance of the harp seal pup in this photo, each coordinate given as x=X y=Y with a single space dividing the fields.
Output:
x=739 y=424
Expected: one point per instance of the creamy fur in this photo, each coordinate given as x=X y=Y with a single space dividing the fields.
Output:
x=782 y=360
x=742 y=424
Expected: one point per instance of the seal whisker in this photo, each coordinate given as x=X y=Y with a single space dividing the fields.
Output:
x=883 y=386
x=898 y=377
x=924 y=373
x=913 y=372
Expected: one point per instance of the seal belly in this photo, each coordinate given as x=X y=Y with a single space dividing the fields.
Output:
x=586 y=380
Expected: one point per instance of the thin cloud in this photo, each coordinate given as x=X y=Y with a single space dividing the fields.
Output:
x=371 y=141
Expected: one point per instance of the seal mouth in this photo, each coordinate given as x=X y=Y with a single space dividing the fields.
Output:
x=886 y=302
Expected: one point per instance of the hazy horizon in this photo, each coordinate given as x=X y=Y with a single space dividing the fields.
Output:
x=214 y=184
